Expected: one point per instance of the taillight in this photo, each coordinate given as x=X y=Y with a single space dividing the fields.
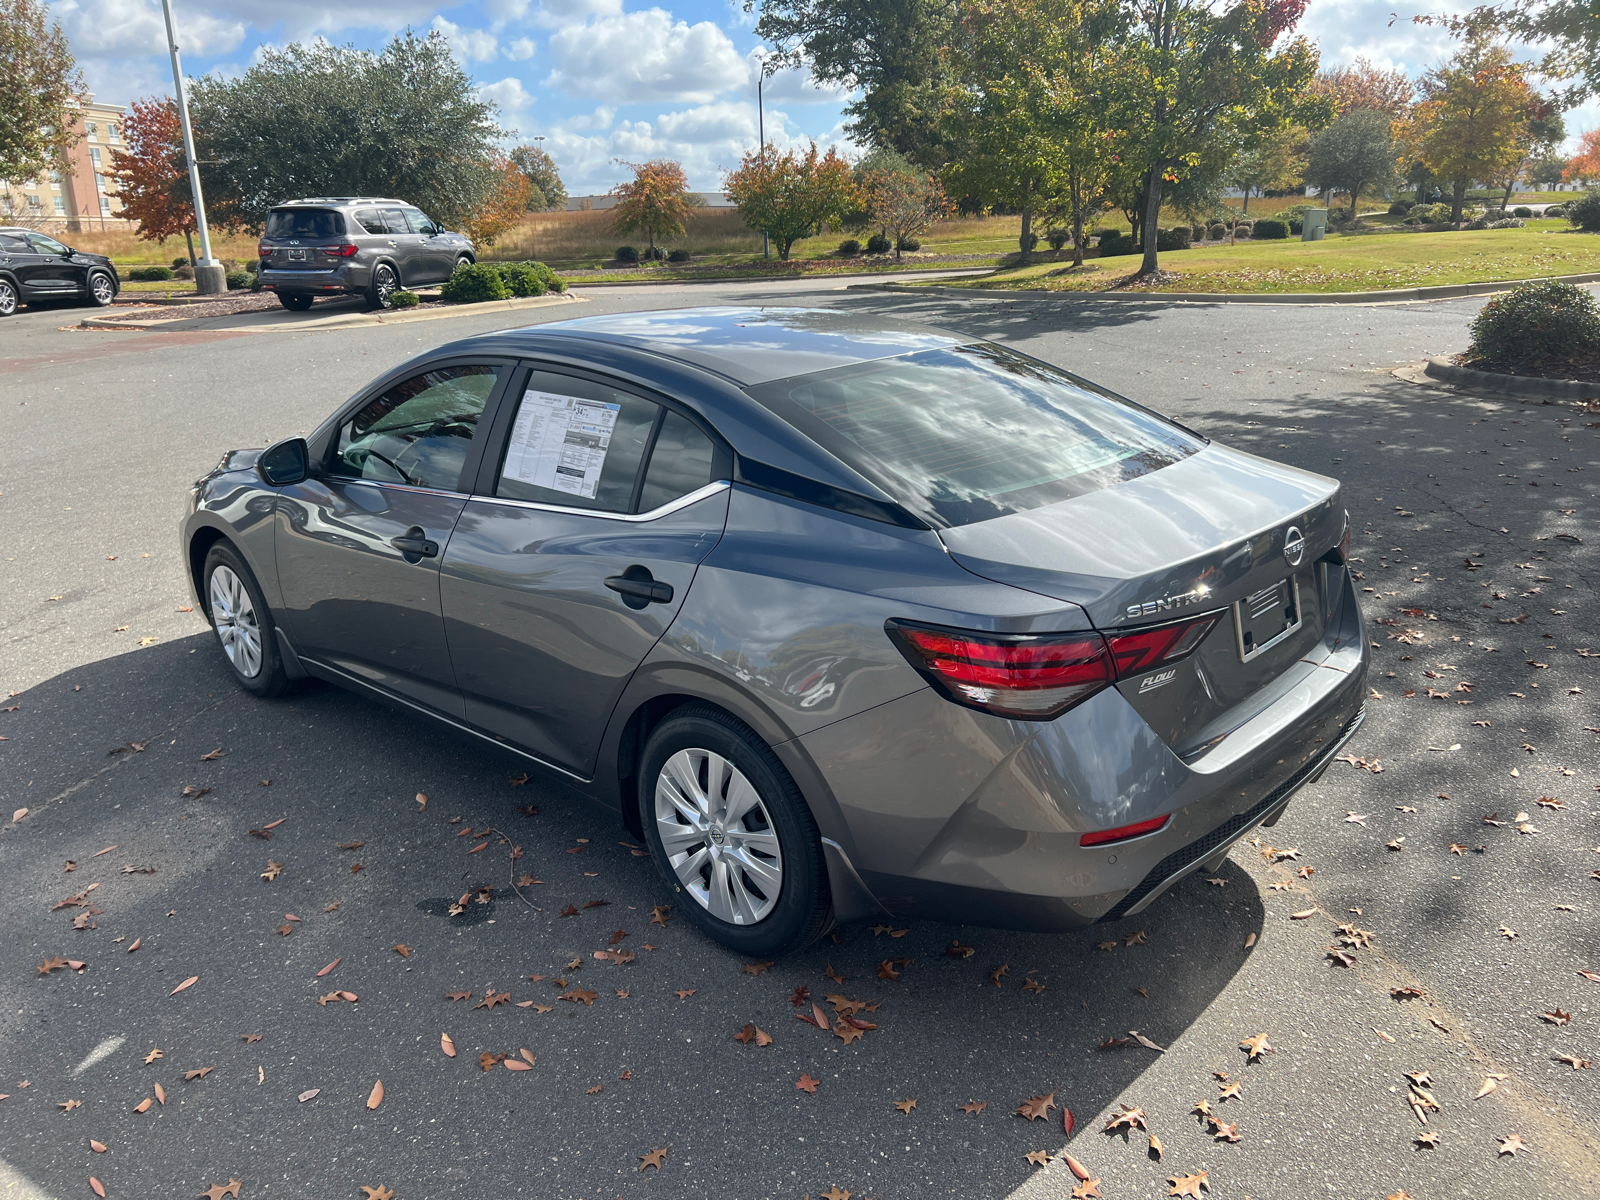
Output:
x=1034 y=677
x=342 y=250
x=1123 y=832
x=264 y=250
x=1141 y=649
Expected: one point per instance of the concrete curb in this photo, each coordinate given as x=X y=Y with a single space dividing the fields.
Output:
x=241 y=324
x=950 y=270
x=1397 y=296
x=1510 y=385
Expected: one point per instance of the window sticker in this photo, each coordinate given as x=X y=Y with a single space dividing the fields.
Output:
x=560 y=442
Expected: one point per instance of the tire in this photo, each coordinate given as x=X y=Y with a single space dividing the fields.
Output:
x=296 y=301
x=772 y=897
x=246 y=632
x=464 y=260
x=8 y=297
x=100 y=289
x=384 y=285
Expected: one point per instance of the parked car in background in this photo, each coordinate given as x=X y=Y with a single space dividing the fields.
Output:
x=362 y=245
x=35 y=267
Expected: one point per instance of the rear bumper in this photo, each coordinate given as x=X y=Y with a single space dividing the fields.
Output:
x=960 y=816
x=346 y=277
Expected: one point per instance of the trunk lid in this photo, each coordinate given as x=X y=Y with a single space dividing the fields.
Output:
x=1192 y=538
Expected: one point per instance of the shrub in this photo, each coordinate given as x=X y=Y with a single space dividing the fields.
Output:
x=1555 y=210
x=1297 y=226
x=1584 y=212
x=551 y=280
x=911 y=245
x=1217 y=232
x=1243 y=229
x=521 y=279
x=183 y=272
x=1522 y=211
x=252 y=265
x=680 y=255
x=1197 y=233
x=238 y=279
x=1537 y=321
x=1399 y=208
x=1114 y=242
x=179 y=262
x=1029 y=243
x=627 y=254
x=404 y=299
x=1173 y=239
x=653 y=254
x=1506 y=223
x=474 y=283
x=849 y=248
x=1270 y=230
x=878 y=244
x=150 y=274
x=1057 y=237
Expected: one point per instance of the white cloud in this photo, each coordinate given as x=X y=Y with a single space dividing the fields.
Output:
x=470 y=45
x=796 y=86
x=130 y=27
x=555 y=14
x=645 y=56
x=509 y=94
x=600 y=118
x=521 y=49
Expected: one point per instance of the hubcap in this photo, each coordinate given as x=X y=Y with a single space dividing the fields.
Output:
x=102 y=289
x=8 y=299
x=718 y=836
x=385 y=285
x=235 y=619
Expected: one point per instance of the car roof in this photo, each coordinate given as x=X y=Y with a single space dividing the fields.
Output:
x=745 y=344
x=325 y=201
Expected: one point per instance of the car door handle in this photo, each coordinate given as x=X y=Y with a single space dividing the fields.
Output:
x=643 y=589
x=414 y=546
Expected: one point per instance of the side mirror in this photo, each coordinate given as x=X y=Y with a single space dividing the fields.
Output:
x=288 y=461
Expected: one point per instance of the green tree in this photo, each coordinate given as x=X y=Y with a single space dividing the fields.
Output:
x=791 y=196
x=1276 y=162
x=903 y=201
x=318 y=120
x=1354 y=154
x=42 y=84
x=1542 y=132
x=1545 y=170
x=655 y=201
x=549 y=192
x=1567 y=31
x=1190 y=79
x=888 y=51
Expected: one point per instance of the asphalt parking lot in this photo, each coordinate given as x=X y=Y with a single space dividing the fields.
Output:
x=1476 y=525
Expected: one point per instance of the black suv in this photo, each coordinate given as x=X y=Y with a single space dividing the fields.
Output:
x=364 y=245
x=34 y=267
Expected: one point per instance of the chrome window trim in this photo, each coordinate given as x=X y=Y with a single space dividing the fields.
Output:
x=683 y=501
x=404 y=487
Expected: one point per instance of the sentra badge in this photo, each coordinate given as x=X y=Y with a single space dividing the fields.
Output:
x=1167 y=603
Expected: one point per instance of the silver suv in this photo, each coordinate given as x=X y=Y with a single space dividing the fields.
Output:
x=365 y=245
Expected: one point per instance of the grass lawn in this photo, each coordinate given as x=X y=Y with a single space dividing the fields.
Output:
x=1340 y=263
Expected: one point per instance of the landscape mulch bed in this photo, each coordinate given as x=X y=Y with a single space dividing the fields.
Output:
x=1581 y=370
x=235 y=303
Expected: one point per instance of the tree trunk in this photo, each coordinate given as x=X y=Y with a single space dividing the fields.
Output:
x=1511 y=182
x=1075 y=189
x=1458 y=198
x=1024 y=242
x=1152 y=215
x=1247 y=202
x=189 y=238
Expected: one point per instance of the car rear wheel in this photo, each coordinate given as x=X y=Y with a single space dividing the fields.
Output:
x=243 y=622
x=101 y=290
x=383 y=287
x=295 y=301
x=731 y=834
x=8 y=298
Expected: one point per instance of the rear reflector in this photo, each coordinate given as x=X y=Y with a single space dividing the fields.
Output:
x=1123 y=832
x=1034 y=677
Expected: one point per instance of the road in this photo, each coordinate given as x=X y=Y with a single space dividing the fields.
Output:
x=118 y=699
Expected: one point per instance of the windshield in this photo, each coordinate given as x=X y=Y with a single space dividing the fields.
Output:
x=304 y=223
x=972 y=432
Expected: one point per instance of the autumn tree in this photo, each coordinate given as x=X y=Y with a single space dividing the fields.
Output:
x=1355 y=153
x=41 y=87
x=1362 y=85
x=1585 y=164
x=791 y=196
x=505 y=205
x=1542 y=131
x=151 y=177
x=1472 y=119
x=654 y=202
x=540 y=169
x=903 y=200
x=1567 y=33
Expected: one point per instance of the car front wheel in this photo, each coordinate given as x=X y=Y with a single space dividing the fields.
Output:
x=101 y=290
x=243 y=622
x=8 y=298
x=731 y=834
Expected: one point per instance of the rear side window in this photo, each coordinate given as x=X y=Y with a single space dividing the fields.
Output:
x=967 y=433
x=680 y=461
x=370 y=219
x=304 y=223
x=576 y=443
x=10 y=243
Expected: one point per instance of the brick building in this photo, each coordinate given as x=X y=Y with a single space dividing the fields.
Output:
x=80 y=192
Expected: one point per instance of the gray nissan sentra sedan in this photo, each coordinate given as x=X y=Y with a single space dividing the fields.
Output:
x=840 y=615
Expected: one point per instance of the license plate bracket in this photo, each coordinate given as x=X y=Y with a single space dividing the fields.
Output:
x=1264 y=618
x=297 y=256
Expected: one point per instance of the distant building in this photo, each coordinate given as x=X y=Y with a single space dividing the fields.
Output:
x=601 y=203
x=80 y=192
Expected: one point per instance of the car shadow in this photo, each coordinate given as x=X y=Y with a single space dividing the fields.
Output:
x=118 y=754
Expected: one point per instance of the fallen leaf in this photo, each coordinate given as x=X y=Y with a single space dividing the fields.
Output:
x=973 y=1107
x=1076 y=1167
x=1510 y=1145
x=274 y=869
x=330 y=966
x=1428 y=1139
x=1303 y=914
x=1189 y=1185
x=1039 y=1158
x=492 y=998
x=155 y=1053
x=830 y=973
x=199 y=1073
x=214 y=755
x=1257 y=1046
x=69 y=1105
x=654 y=1159
x=1128 y=1118
x=1573 y=1061
x=247 y=1038
x=957 y=950
x=422 y=801
x=377 y=1193
x=375 y=1098
x=1557 y=1017
x=800 y=995
x=189 y=982
x=1088 y=1188
x=516 y=1064
x=142 y=1106
x=99 y=1188
x=999 y=973
x=807 y=1084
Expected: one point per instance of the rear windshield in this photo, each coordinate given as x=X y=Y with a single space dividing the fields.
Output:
x=304 y=223
x=968 y=433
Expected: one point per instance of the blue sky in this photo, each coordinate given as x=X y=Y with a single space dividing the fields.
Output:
x=599 y=79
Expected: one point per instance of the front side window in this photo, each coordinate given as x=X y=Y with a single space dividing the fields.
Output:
x=46 y=245
x=304 y=223
x=967 y=433
x=418 y=432
x=575 y=443
x=421 y=224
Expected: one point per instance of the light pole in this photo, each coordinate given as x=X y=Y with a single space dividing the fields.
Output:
x=533 y=235
x=209 y=276
x=761 y=132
